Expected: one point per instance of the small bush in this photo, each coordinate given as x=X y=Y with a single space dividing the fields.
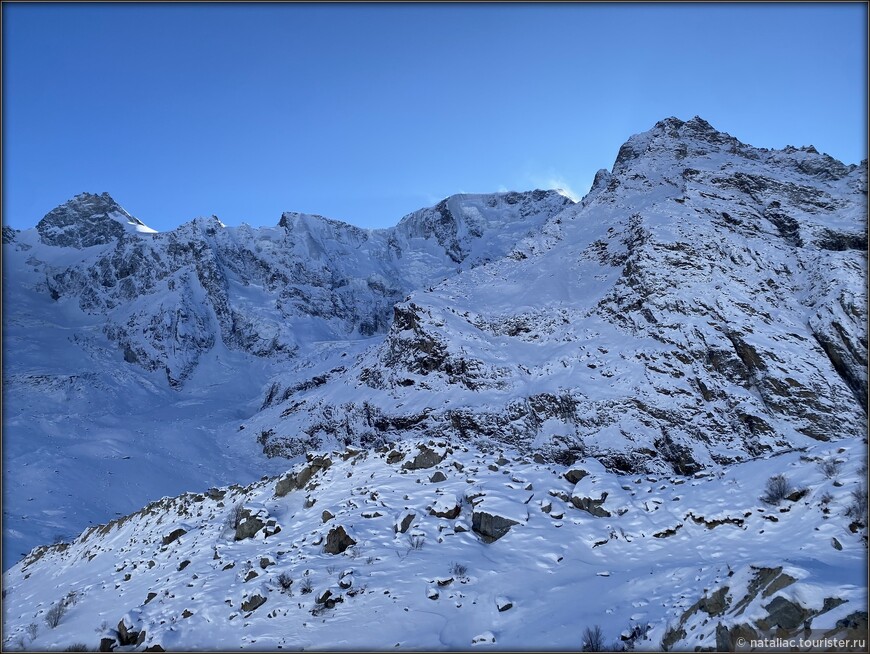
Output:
x=831 y=468
x=826 y=499
x=777 y=489
x=32 y=631
x=857 y=510
x=285 y=581
x=458 y=570
x=54 y=614
x=77 y=647
x=416 y=541
x=593 y=639
x=234 y=517
x=306 y=586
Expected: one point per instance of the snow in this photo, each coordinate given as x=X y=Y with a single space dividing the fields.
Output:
x=544 y=568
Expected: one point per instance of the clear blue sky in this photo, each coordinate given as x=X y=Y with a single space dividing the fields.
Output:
x=365 y=113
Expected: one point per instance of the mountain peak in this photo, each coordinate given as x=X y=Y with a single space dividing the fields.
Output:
x=88 y=219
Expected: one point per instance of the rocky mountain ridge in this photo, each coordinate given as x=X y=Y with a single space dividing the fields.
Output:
x=703 y=304
x=168 y=296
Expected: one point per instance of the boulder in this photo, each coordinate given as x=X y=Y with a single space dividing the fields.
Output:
x=286 y=484
x=591 y=505
x=249 y=525
x=127 y=634
x=489 y=526
x=338 y=540
x=438 y=476
x=574 y=475
x=449 y=509
x=174 y=535
x=404 y=521
x=253 y=603
x=426 y=458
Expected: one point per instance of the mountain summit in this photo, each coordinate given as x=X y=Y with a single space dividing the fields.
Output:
x=88 y=220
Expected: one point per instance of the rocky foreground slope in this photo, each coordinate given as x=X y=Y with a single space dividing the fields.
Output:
x=433 y=545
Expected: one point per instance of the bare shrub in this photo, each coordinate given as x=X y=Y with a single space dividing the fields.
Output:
x=416 y=541
x=776 y=490
x=831 y=468
x=77 y=647
x=306 y=586
x=54 y=614
x=285 y=581
x=857 y=510
x=234 y=517
x=458 y=570
x=593 y=639
x=32 y=630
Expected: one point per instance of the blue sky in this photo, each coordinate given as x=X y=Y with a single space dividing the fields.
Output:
x=365 y=113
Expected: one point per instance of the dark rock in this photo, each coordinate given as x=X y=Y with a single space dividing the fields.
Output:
x=216 y=494
x=337 y=541
x=490 y=526
x=426 y=458
x=856 y=621
x=154 y=648
x=327 y=515
x=449 y=513
x=591 y=505
x=253 y=603
x=405 y=523
x=249 y=525
x=574 y=475
x=107 y=644
x=437 y=477
x=129 y=636
x=786 y=614
x=286 y=484
x=174 y=535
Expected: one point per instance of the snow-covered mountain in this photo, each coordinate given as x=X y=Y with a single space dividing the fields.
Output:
x=705 y=303
x=567 y=400
x=132 y=356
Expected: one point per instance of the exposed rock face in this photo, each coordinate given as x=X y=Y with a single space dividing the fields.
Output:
x=591 y=505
